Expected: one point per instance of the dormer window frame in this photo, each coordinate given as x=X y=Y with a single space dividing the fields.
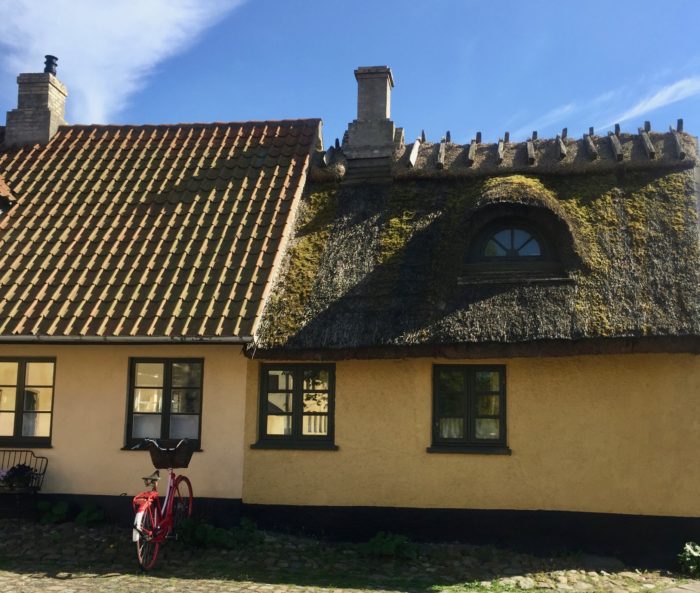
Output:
x=490 y=232
x=479 y=268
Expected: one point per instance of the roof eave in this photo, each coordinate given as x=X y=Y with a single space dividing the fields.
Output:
x=43 y=339
x=680 y=344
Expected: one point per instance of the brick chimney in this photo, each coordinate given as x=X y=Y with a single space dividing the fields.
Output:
x=40 y=107
x=372 y=135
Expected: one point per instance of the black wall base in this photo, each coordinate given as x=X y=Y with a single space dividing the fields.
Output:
x=636 y=539
x=223 y=512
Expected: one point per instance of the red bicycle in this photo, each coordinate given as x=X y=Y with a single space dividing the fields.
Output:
x=155 y=521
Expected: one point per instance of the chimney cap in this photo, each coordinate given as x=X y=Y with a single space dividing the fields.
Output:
x=50 y=64
x=374 y=72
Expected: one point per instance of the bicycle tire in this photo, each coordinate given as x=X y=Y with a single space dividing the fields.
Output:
x=146 y=548
x=182 y=501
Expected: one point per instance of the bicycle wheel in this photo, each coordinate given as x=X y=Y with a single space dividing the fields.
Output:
x=147 y=520
x=182 y=501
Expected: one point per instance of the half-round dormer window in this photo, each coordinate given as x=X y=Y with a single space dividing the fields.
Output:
x=511 y=242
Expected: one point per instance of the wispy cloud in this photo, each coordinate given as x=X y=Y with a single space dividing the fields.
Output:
x=106 y=49
x=603 y=98
x=671 y=93
x=541 y=123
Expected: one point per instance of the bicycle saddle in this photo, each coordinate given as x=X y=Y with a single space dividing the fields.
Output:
x=154 y=477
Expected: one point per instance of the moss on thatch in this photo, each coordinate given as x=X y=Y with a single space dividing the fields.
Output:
x=384 y=265
x=285 y=312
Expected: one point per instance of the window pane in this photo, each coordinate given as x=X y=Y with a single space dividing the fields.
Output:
x=39 y=373
x=279 y=402
x=315 y=425
x=450 y=381
x=451 y=428
x=451 y=405
x=520 y=238
x=146 y=426
x=149 y=374
x=487 y=428
x=315 y=379
x=184 y=427
x=36 y=424
x=8 y=397
x=316 y=402
x=8 y=373
x=7 y=424
x=187 y=374
x=279 y=425
x=504 y=238
x=280 y=381
x=531 y=249
x=493 y=249
x=488 y=405
x=38 y=399
x=185 y=401
x=148 y=400
x=487 y=381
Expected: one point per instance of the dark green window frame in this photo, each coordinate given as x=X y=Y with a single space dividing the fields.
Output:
x=165 y=413
x=21 y=385
x=290 y=412
x=465 y=403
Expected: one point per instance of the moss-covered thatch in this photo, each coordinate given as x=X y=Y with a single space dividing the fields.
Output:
x=386 y=265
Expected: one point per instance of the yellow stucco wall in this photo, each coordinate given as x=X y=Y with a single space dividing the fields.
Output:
x=617 y=434
x=90 y=405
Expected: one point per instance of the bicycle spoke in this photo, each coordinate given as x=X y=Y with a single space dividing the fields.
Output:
x=146 y=547
x=182 y=501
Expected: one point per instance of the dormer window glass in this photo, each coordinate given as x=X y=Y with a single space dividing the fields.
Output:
x=511 y=250
x=511 y=242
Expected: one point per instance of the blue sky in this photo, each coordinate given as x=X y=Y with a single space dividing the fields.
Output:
x=462 y=65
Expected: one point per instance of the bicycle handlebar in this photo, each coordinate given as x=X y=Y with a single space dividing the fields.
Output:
x=157 y=446
x=147 y=442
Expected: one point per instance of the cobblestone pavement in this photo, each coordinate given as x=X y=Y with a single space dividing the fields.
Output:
x=70 y=559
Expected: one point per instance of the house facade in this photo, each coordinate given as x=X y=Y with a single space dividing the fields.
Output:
x=469 y=341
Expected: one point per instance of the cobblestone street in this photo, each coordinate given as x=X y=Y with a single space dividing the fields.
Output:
x=70 y=559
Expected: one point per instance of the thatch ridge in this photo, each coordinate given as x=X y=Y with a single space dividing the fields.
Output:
x=332 y=164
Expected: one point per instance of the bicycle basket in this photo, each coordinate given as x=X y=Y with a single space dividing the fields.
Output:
x=171 y=458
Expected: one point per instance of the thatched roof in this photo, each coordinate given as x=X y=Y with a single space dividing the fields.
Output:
x=378 y=268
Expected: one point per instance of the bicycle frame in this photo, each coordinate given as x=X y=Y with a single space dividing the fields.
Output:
x=162 y=515
x=157 y=519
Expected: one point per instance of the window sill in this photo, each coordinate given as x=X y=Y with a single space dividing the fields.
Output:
x=512 y=279
x=486 y=450
x=137 y=449
x=296 y=445
x=20 y=445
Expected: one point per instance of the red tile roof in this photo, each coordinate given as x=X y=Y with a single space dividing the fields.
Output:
x=148 y=231
x=4 y=190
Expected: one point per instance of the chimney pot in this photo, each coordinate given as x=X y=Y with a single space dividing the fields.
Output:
x=50 y=64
